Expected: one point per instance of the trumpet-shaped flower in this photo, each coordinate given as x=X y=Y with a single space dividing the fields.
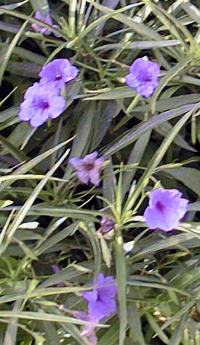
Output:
x=88 y=169
x=47 y=20
x=41 y=104
x=58 y=72
x=143 y=76
x=101 y=303
x=166 y=209
x=106 y=225
x=102 y=299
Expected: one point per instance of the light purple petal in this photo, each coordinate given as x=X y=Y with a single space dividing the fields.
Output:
x=131 y=81
x=159 y=220
x=91 y=335
x=110 y=3
x=143 y=76
x=58 y=72
x=94 y=176
x=166 y=209
x=102 y=282
x=83 y=177
x=38 y=119
x=40 y=104
x=90 y=158
x=24 y=112
x=145 y=90
x=71 y=73
x=102 y=308
x=169 y=197
x=88 y=168
x=90 y=295
x=57 y=106
x=99 y=162
x=102 y=300
x=76 y=163
x=89 y=330
x=106 y=225
x=45 y=19
x=81 y=315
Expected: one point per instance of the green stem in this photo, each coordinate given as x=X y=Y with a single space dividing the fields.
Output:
x=121 y=282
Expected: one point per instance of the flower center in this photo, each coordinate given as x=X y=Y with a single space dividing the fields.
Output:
x=160 y=206
x=89 y=166
x=99 y=298
x=41 y=103
x=147 y=77
x=44 y=105
x=58 y=76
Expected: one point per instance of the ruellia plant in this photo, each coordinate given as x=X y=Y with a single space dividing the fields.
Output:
x=100 y=181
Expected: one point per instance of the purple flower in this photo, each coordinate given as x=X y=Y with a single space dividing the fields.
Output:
x=55 y=269
x=88 y=168
x=47 y=20
x=101 y=304
x=143 y=76
x=41 y=104
x=58 y=72
x=166 y=208
x=106 y=225
x=89 y=330
x=102 y=299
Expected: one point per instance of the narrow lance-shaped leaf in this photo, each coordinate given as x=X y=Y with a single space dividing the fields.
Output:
x=26 y=207
x=154 y=121
x=157 y=157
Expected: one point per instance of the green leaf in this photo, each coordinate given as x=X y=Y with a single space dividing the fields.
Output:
x=82 y=214
x=135 y=157
x=29 y=202
x=10 y=49
x=195 y=206
x=110 y=336
x=140 y=28
x=178 y=333
x=156 y=159
x=165 y=80
x=11 y=332
x=15 y=5
x=159 y=245
x=41 y=316
x=106 y=254
x=140 y=45
x=135 y=323
x=51 y=335
x=118 y=93
x=155 y=327
x=103 y=117
x=23 y=169
x=168 y=102
x=109 y=183
x=154 y=121
x=89 y=230
x=60 y=236
x=16 y=153
x=8 y=113
x=190 y=177
x=41 y=5
x=82 y=135
x=73 y=330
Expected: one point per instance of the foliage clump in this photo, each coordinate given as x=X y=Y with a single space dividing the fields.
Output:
x=100 y=180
